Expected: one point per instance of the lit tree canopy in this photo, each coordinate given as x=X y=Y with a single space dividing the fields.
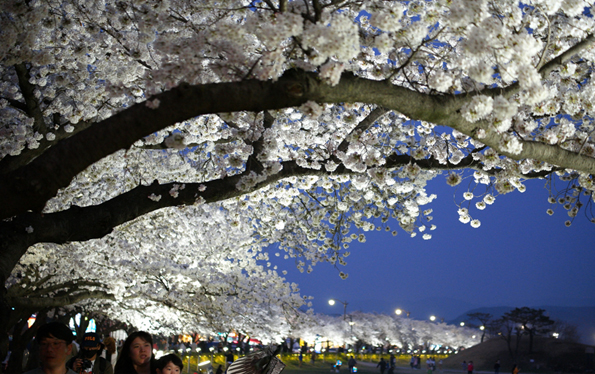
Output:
x=162 y=280
x=313 y=120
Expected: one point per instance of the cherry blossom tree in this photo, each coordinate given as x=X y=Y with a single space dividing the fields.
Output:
x=313 y=120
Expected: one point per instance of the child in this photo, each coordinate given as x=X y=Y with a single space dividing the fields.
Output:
x=169 y=364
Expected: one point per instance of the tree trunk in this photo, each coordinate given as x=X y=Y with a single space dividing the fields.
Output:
x=18 y=346
x=21 y=337
x=519 y=334
x=5 y=312
x=81 y=327
x=509 y=345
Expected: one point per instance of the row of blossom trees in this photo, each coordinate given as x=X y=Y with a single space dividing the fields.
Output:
x=387 y=331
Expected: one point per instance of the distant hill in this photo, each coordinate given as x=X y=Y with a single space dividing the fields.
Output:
x=549 y=355
x=444 y=307
x=582 y=317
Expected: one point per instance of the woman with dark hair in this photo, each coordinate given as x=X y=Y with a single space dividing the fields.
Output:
x=136 y=356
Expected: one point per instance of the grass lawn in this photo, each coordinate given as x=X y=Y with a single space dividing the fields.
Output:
x=321 y=367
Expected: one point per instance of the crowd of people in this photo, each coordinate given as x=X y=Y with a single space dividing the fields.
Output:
x=57 y=354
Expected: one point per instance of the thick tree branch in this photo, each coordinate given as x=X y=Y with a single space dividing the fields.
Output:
x=12 y=163
x=31 y=186
x=444 y=110
x=71 y=286
x=38 y=303
x=80 y=224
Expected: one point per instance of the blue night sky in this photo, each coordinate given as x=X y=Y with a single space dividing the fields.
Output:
x=519 y=256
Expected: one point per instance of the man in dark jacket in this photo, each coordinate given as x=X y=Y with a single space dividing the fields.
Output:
x=351 y=363
x=88 y=361
x=381 y=365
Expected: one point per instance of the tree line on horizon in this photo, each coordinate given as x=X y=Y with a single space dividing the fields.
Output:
x=519 y=322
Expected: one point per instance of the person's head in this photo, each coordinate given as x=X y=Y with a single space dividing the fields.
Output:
x=55 y=344
x=137 y=351
x=90 y=345
x=169 y=364
x=110 y=344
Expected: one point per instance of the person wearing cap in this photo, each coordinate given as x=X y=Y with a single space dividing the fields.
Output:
x=55 y=346
x=88 y=360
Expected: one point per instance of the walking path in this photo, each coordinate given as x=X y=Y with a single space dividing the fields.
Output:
x=409 y=370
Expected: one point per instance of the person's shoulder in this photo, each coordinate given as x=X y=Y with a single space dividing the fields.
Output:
x=70 y=371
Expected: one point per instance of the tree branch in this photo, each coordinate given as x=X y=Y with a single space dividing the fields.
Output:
x=31 y=102
x=31 y=186
x=11 y=163
x=71 y=286
x=51 y=302
x=365 y=124
x=544 y=70
x=16 y=104
x=565 y=56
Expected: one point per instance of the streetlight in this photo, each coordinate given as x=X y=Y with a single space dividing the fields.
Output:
x=401 y=311
x=331 y=302
x=462 y=324
x=188 y=353
x=434 y=318
x=197 y=359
